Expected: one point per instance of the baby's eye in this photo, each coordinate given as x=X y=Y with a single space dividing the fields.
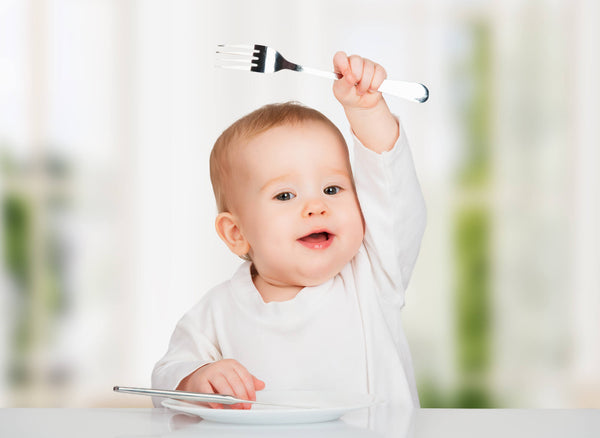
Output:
x=285 y=196
x=332 y=190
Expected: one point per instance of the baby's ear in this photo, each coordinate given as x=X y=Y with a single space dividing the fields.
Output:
x=230 y=233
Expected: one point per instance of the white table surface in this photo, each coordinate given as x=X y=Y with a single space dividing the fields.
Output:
x=422 y=423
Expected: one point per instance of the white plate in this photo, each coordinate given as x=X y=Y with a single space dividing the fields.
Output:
x=331 y=406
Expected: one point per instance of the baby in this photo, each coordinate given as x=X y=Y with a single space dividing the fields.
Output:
x=316 y=305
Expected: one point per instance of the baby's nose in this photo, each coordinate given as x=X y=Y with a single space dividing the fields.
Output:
x=314 y=208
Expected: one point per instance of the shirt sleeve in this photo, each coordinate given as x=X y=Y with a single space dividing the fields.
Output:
x=394 y=212
x=189 y=349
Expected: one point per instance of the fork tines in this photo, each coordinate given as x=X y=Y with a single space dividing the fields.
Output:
x=235 y=56
x=257 y=58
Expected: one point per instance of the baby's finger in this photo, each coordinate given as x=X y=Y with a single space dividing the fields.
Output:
x=258 y=384
x=248 y=382
x=206 y=388
x=356 y=65
x=367 y=76
x=239 y=389
x=221 y=385
x=378 y=77
x=342 y=66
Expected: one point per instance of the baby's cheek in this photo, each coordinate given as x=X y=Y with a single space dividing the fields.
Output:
x=359 y=222
x=357 y=227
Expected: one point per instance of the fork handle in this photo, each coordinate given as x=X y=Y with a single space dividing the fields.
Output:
x=182 y=395
x=321 y=73
x=405 y=90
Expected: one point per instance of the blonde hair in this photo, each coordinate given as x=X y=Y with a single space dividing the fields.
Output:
x=249 y=126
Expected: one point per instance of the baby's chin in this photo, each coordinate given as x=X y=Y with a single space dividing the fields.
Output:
x=303 y=274
x=317 y=276
x=312 y=282
x=303 y=278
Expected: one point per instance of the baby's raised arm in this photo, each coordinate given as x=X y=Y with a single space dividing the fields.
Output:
x=386 y=184
x=369 y=116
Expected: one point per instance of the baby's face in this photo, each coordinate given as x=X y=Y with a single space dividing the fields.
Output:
x=296 y=205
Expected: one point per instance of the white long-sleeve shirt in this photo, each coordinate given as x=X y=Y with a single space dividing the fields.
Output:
x=345 y=334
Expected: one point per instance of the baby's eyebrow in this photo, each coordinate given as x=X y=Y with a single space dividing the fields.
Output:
x=336 y=172
x=275 y=181
x=341 y=172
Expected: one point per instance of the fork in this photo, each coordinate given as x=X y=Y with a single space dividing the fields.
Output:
x=264 y=59
x=206 y=398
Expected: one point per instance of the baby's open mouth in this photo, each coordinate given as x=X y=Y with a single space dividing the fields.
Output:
x=316 y=237
x=318 y=240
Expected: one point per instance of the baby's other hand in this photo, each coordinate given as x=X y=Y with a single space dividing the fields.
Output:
x=228 y=377
x=360 y=80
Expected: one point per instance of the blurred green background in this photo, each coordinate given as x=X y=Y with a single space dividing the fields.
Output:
x=108 y=110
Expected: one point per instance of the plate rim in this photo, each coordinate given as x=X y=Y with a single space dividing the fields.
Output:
x=278 y=414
